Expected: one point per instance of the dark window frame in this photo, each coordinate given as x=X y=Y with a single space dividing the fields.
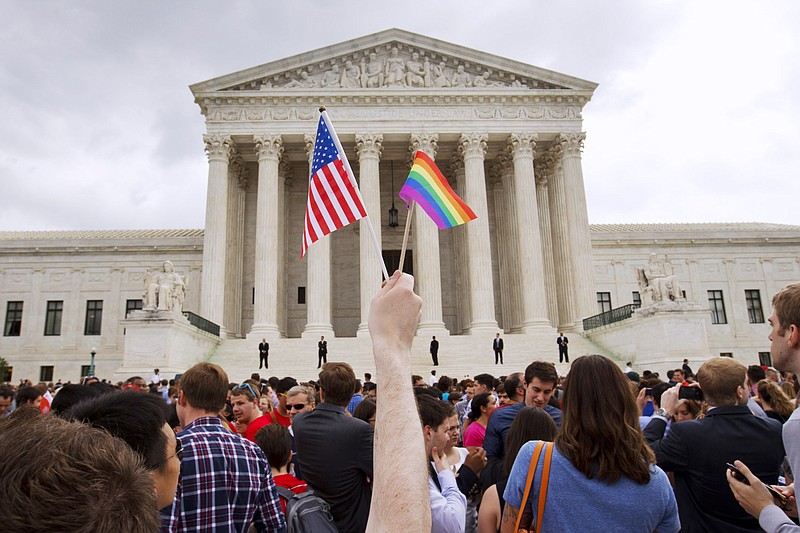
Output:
x=716 y=303
x=53 y=316
x=93 y=324
x=755 y=311
x=603 y=301
x=13 y=324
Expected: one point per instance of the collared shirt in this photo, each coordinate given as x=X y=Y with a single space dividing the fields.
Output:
x=354 y=401
x=225 y=484
x=500 y=423
x=448 y=505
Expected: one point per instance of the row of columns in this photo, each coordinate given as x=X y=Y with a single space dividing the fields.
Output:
x=542 y=231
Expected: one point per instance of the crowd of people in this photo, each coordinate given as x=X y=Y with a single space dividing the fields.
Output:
x=600 y=449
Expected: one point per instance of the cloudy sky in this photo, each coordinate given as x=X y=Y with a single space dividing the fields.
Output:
x=696 y=118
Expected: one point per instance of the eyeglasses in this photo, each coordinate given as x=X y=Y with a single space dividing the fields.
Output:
x=248 y=387
x=297 y=406
x=178 y=451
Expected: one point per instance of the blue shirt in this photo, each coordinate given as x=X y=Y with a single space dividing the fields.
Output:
x=225 y=483
x=354 y=401
x=500 y=423
x=576 y=503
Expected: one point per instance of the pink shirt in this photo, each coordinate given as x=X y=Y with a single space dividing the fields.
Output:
x=474 y=435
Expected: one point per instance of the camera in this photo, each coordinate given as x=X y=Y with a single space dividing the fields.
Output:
x=691 y=393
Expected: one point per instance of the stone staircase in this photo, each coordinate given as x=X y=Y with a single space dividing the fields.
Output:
x=459 y=356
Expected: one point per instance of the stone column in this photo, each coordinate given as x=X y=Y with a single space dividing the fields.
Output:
x=368 y=149
x=33 y=311
x=284 y=184
x=542 y=172
x=456 y=175
x=559 y=227
x=265 y=311
x=512 y=242
x=473 y=148
x=502 y=244
x=235 y=249
x=212 y=303
x=318 y=282
x=580 y=238
x=531 y=264
x=427 y=264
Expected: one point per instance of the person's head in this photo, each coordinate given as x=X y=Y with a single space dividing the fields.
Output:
x=723 y=381
x=444 y=384
x=155 y=371
x=787 y=387
x=497 y=335
x=6 y=399
x=372 y=392
x=30 y=396
x=469 y=389
x=366 y=411
x=284 y=385
x=540 y=382
x=367 y=377
x=658 y=390
x=434 y=415
x=485 y=382
x=772 y=374
x=417 y=381
x=774 y=399
x=203 y=387
x=687 y=410
x=265 y=404
x=454 y=397
x=514 y=388
x=337 y=382
x=167 y=266
x=89 y=481
x=785 y=332
x=755 y=373
x=502 y=397
x=276 y=443
x=629 y=365
x=136 y=383
x=600 y=433
x=298 y=400
x=244 y=400
x=530 y=423
x=677 y=376
x=482 y=405
x=685 y=361
x=69 y=395
x=670 y=373
x=141 y=421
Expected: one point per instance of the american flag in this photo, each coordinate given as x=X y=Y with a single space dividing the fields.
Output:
x=334 y=200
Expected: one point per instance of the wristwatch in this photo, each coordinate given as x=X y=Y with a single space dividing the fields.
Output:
x=662 y=412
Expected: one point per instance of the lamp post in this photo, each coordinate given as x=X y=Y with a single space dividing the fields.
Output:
x=91 y=364
x=393 y=211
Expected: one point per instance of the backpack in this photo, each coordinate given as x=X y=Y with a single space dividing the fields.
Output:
x=307 y=512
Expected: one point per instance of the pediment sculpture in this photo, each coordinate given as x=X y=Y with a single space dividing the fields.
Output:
x=393 y=66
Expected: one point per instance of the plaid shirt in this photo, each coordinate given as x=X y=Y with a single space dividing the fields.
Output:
x=225 y=484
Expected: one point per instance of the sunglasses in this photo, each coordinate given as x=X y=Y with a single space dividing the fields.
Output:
x=178 y=451
x=296 y=406
x=249 y=387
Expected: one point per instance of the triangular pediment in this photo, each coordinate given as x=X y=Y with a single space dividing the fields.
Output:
x=393 y=60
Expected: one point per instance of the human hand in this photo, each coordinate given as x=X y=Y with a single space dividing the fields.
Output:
x=394 y=312
x=476 y=459
x=790 y=505
x=670 y=400
x=641 y=400
x=439 y=460
x=753 y=497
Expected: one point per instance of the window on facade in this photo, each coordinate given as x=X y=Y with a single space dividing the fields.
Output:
x=765 y=358
x=604 y=302
x=45 y=373
x=13 y=319
x=131 y=306
x=637 y=299
x=754 y=311
x=301 y=295
x=52 y=321
x=717 y=306
x=392 y=260
x=94 y=317
x=726 y=354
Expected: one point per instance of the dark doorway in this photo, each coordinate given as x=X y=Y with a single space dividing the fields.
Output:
x=392 y=260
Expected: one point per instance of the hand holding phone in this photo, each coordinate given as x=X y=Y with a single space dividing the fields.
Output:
x=737 y=474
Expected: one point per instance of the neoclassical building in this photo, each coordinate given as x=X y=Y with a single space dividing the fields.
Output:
x=508 y=137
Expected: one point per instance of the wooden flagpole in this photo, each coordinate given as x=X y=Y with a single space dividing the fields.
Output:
x=405 y=236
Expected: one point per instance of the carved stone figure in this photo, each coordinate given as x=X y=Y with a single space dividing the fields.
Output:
x=395 y=69
x=164 y=290
x=439 y=76
x=657 y=282
x=351 y=76
x=304 y=81
x=481 y=80
x=461 y=78
x=332 y=78
x=372 y=72
x=415 y=72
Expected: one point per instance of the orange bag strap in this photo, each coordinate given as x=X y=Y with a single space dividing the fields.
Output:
x=537 y=451
x=543 y=484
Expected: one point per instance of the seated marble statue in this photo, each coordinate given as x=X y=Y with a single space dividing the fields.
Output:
x=164 y=290
x=657 y=282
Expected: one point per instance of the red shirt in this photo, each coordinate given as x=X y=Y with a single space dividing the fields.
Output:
x=291 y=483
x=255 y=425
x=285 y=421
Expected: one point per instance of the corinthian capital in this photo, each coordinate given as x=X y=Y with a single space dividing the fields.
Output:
x=473 y=144
x=309 y=140
x=521 y=144
x=572 y=142
x=268 y=146
x=238 y=169
x=426 y=142
x=369 y=145
x=219 y=146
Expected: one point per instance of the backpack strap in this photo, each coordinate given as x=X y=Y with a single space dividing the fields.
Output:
x=273 y=417
x=544 y=482
x=284 y=493
x=537 y=451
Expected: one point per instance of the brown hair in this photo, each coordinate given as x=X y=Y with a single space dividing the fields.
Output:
x=243 y=390
x=90 y=481
x=531 y=423
x=771 y=393
x=719 y=378
x=276 y=443
x=546 y=372
x=788 y=389
x=205 y=386
x=600 y=432
x=338 y=381
x=786 y=304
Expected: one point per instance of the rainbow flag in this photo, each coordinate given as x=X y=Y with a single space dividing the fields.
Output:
x=428 y=187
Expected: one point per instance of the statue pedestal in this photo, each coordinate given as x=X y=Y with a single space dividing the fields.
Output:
x=163 y=340
x=658 y=337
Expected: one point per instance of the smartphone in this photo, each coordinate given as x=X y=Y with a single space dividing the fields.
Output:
x=739 y=476
x=648 y=391
x=691 y=393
